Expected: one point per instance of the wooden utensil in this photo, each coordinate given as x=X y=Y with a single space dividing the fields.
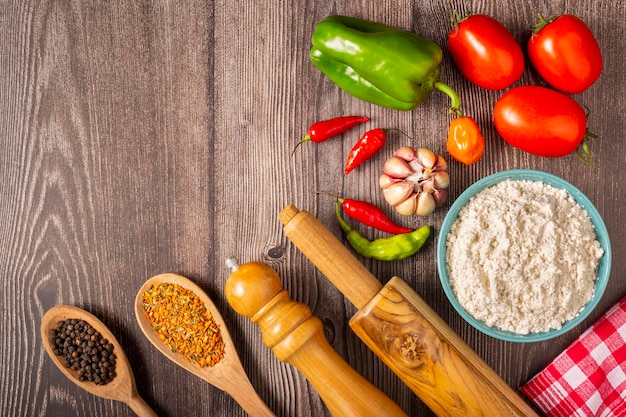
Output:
x=404 y=332
x=122 y=387
x=228 y=374
x=297 y=337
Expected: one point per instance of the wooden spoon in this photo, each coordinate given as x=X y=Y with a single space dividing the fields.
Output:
x=122 y=387
x=228 y=374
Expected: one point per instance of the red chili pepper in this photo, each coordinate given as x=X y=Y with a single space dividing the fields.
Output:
x=370 y=215
x=366 y=147
x=326 y=129
x=369 y=144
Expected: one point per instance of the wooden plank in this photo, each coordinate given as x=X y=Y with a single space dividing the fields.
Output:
x=140 y=137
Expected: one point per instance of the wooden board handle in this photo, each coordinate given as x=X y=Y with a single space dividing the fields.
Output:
x=330 y=256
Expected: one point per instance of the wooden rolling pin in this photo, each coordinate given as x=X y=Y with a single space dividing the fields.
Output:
x=297 y=337
x=404 y=332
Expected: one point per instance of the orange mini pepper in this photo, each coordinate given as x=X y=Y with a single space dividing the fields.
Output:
x=465 y=142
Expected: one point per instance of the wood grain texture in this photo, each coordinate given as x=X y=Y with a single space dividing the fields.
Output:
x=139 y=137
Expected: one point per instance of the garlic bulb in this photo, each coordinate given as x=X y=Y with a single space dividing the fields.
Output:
x=414 y=181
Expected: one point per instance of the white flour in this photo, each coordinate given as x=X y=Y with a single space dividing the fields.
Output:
x=523 y=256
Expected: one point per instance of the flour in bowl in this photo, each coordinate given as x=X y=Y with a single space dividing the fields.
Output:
x=523 y=256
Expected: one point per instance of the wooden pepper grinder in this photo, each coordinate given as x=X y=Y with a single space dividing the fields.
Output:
x=297 y=337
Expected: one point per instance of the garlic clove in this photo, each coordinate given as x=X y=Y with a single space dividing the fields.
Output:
x=385 y=180
x=441 y=179
x=397 y=167
x=425 y=204
x=406 y=152
x=416 y=167
x=396 y=193
x=440 y=197
x=426 y=157
x=408 y=206
x=441 y=164
x=427 y=185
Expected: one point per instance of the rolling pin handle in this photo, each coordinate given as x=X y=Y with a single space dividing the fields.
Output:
x=329 y=255
x=288 y=213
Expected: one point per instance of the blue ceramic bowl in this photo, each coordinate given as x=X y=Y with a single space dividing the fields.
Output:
x=602 y=235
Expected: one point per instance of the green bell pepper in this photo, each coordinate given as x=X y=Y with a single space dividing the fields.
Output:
x=376 y=63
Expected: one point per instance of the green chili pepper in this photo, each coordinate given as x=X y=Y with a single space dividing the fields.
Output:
x=387 y=248
x=376 y=63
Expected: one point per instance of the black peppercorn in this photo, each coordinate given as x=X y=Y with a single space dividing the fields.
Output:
x=84 y=350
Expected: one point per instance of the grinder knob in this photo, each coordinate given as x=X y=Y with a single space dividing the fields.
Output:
x=250 y=286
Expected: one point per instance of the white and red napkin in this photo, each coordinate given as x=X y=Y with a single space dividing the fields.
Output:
x=589 y=377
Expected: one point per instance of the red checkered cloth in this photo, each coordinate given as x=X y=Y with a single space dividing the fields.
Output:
x=589 y=377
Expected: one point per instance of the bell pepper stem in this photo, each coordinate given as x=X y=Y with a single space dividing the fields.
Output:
x=455 y=106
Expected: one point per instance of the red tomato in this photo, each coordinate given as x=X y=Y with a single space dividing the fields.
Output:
x=566 y=54
x=540 y=121
x=485 y=52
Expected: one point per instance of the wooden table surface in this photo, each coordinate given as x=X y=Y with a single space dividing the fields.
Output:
x=142 y=137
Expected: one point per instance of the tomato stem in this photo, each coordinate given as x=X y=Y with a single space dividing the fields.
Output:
x=583 y=151
x=455 y=105
x=543 y=22
x=456 y=17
